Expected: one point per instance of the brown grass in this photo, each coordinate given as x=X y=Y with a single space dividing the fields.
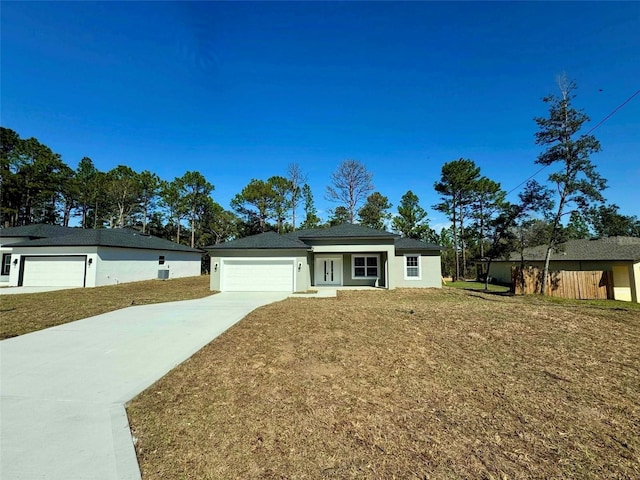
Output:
x=24 y=313
x=403 y=384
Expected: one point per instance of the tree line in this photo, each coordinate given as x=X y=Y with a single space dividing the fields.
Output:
x=484 y=225
x=38 y=187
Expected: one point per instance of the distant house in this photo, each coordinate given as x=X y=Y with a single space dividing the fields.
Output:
x=343 y=255
x=50 y=255
x=620 y=255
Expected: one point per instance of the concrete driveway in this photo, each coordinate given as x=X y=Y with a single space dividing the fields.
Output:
x=63 y=389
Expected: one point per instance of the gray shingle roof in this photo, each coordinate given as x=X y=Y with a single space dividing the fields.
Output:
x=607 y=248
x=414 y=245
x=345 y=230
x=266 y=240
x=295 y=240
x=39 y=230
x=121 y=238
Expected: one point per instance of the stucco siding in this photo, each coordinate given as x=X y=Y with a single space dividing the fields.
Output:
x=299 y=257
x=622 y=283
x=122 y=265
x=635 y=291
x=430 y=271
x=348 y=277
x=19 y=252
x=3 y=252
x=7 y=250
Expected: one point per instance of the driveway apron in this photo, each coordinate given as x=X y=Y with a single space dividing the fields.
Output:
x=63 y=389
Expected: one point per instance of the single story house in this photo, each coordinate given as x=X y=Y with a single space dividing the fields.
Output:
x=50 y=255
x=343 y=255
x=620 y=255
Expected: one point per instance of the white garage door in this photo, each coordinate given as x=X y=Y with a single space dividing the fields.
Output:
x=63 y=271
x=254 y=275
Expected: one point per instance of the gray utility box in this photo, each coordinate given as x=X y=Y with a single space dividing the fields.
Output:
x=163 y=274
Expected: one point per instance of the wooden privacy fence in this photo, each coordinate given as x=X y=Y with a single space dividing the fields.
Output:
x=581 y=285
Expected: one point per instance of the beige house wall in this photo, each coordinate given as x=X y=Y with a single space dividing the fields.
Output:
x=430 y=271
x=622 y=283
x=302 y=279
x=391 y=266
x=626 y=275
x=635 y=283
x=385 y=252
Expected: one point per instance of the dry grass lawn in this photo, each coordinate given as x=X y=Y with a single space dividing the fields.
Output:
x=20 y=314
x=403 y=384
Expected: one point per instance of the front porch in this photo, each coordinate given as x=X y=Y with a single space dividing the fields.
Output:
x=354 y=269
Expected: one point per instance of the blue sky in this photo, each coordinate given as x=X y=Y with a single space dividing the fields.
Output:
x=240 y=90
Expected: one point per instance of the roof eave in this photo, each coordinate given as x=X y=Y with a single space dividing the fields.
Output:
x=349 y=237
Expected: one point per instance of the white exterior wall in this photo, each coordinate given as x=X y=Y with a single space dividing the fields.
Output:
x=430 y=271
x=3 y=250
x=5 y=278
x=122 y=265
x=19 y=252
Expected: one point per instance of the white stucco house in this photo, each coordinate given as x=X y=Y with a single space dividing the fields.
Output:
x=50 y=255
x=343 y=255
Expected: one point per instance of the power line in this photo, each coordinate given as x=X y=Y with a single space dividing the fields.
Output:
x=611 y=114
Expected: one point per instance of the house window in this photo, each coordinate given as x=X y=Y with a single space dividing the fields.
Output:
x=412 y=267
x=6 y=263
x=161 y=260
x=364 y=266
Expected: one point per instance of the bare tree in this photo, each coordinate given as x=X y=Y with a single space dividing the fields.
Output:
x=351 y=184
x=296 y=178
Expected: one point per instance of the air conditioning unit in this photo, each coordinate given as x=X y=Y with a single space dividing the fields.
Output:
x=163 y=274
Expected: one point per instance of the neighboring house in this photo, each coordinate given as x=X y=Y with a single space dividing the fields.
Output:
x=50 y=255
x=343 y=255
x=620 y=255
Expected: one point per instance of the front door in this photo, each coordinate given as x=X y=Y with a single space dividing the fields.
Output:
x=328 y=271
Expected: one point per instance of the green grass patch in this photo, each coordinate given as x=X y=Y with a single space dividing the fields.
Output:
x=25 y=313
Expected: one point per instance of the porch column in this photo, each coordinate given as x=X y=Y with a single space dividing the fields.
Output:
x=386 y=270
x=634 y=273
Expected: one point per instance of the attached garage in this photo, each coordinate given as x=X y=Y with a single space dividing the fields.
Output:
x=75 y=257
x=53 y=271
x=257 y=275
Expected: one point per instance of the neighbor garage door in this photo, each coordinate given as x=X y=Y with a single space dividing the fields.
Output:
x=62 y=271
x=253 y=275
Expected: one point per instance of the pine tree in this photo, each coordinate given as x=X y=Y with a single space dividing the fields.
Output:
x=576 y=182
